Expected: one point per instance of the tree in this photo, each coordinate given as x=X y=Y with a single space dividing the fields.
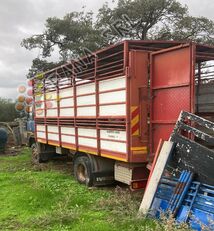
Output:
x=139 y=17
x=40 y=66
x=69 y=35
x=153 y=19
x=7 y=110
x=129 y=19
x=198 y=29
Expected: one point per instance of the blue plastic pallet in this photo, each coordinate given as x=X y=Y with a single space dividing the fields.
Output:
x=189 y=201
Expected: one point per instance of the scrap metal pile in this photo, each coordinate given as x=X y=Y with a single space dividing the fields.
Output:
x=12 y=136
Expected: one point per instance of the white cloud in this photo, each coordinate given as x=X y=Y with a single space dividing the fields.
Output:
x=22 y=18
x=200 y=7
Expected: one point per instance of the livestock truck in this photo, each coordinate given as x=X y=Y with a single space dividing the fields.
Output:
x=109 y=109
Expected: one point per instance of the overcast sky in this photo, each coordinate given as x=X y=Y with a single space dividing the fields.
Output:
x=22 y=18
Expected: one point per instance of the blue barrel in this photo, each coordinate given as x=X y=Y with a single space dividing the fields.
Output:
x=30 y=126
x=3 y=139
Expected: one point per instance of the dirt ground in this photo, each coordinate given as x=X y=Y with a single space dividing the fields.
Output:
x=12 y=151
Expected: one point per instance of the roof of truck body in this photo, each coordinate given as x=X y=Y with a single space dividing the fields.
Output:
x=203 y=52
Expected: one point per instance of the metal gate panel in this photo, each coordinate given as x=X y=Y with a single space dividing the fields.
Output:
x=168 y=101
x=138 y=106
x=172 y=89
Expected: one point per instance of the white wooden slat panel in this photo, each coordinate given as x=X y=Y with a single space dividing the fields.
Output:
x=113 y=135
x=39 y=105
x=87 y=132
x=51 y=136
x=86 y=100
x=41 y=135
x=112 y=97
x=87 y=142
x=52 y=112
x=40 y=128
x=85 y=89
x=113 y=110
x=68 y=130
x=51 y=95
x=53 y=129
x=113 y=146
x=67 y=112
x=54 y=137
x=86 y=111
x=51 y=103
x=39 y=97
x=68 y=139
x=40 y=113
x=110 y=84
x=66 y=102
x=67 y=92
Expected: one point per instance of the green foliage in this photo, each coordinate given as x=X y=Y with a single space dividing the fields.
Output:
x=143 y=16
x=51 y=199
x=129 y=19
x=43 y=200
x=40 y=66
x=69 y=35
x=199 y=29
x=154 y=19
x=7 y=110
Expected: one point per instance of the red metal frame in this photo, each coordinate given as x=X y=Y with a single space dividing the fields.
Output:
x=171 y=89
x=138 y=134
x=129 y=59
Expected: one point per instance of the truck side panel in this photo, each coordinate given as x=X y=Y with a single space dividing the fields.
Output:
x=105 y=117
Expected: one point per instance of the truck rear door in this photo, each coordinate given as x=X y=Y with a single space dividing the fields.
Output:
x=172 y=89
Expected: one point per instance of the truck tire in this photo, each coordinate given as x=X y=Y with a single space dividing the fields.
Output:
x=83 y=170
x=37 y=157
x=31 y=141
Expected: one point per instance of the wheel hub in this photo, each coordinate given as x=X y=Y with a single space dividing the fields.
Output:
x=81 y=172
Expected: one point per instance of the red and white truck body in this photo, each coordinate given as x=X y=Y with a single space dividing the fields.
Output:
x=118 y=102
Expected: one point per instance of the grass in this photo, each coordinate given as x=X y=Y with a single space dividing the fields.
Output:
x=47 y=198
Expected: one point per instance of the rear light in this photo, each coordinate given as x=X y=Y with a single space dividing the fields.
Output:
x=141 y=184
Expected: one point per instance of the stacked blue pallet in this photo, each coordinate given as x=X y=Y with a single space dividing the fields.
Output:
x=189 y=201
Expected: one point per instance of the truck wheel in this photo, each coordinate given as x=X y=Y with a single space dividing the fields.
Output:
x=83 y=170
x=37 y=157
x=35 y=154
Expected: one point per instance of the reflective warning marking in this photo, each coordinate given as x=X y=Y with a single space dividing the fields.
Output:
x=139 y=150
x=135 y=120
x=143 y=148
